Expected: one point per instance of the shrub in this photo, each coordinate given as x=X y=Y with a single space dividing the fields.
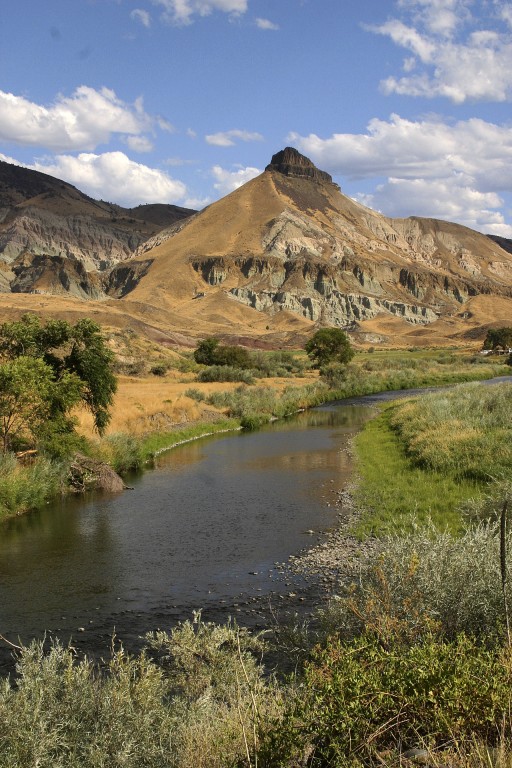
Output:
x=195 y=394
x=160 y=369
x=194 y=700
x=23 y=488
x=234 y=356
x=123 y=452
x=225 y=373
x=426 y=581
x=363 y=697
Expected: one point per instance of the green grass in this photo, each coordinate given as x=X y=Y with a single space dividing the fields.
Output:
x=423 y=458
x=394 y=494
x=464 y=432
x=24 y=488
x=158 y=442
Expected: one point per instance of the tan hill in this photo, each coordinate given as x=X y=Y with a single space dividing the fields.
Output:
x=290 y=242
x=264 y=266
x=53 y=237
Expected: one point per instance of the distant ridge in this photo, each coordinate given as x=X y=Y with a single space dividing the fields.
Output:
x=53 y=237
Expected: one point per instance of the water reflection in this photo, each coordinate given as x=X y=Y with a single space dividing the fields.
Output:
x=194 y=531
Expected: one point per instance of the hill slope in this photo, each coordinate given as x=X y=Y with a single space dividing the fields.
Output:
x=290 y=241
x=52 y=235
x=265 y=265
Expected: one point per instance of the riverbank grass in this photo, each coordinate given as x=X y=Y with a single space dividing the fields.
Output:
x=158 y=442
x=394 y=494
x=425 y=458
x=24 y=488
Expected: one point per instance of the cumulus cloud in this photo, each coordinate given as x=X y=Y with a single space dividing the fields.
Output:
x=228 y=138
x=450 y=171
x=227 y=181
x=139 y=143
x=7 y=159
x=452 y=199
x=456 y=55
x=141 y=16
x=182 y=12
x=113 y=176
x=78 y=122
x=266 y=24
x=410 y=149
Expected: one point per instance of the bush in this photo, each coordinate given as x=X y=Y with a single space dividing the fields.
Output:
x=211 y=352
x=423 y=582
x=225 y=373
x=123 y=452
x=279 y=363
x=361 y=698
x=160 y=369
x=193 y=700
x=195 y=394
x=24 y=488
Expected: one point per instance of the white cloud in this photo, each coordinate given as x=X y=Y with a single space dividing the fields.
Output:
x=449 y=199
x=404 y=148
x=182 y=12
x=227 y=138
x=228 y=181
x=77 y=122
x=440 y=17
x=198 y=203
x=113 y=176
x=141 y=16
x=7 y=159
x=459 y=56
x=433 y=168
x=139 y=143
x=266 y=24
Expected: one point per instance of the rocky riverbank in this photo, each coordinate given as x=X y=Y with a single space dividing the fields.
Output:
x=340 y=554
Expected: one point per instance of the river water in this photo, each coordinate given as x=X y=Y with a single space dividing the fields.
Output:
x=203 y=530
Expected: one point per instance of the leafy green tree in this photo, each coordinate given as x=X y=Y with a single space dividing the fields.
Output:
x=46 y=370
x=211 y=352
x=329 y=345
x=28 y=393
x=204 y=353
x=498 y=338
x=235 y=356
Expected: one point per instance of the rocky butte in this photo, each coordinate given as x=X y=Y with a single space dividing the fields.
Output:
x=290 y=162
x=287 y=252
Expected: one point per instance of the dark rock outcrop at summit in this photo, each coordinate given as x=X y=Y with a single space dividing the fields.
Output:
x=290 y=162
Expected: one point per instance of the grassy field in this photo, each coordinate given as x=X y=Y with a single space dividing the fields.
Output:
x=425 y=458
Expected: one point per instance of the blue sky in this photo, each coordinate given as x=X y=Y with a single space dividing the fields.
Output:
x=405 y=102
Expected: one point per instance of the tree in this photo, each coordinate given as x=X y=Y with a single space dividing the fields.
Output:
x=46 y=370
x=28 y=392
x=204 y=354
x=211 y=352
x=329 y=345
x=498 y=338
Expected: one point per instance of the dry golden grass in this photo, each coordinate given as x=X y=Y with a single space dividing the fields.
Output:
x=155 y=403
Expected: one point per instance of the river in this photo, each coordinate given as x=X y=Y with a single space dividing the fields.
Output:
x=203 y=530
